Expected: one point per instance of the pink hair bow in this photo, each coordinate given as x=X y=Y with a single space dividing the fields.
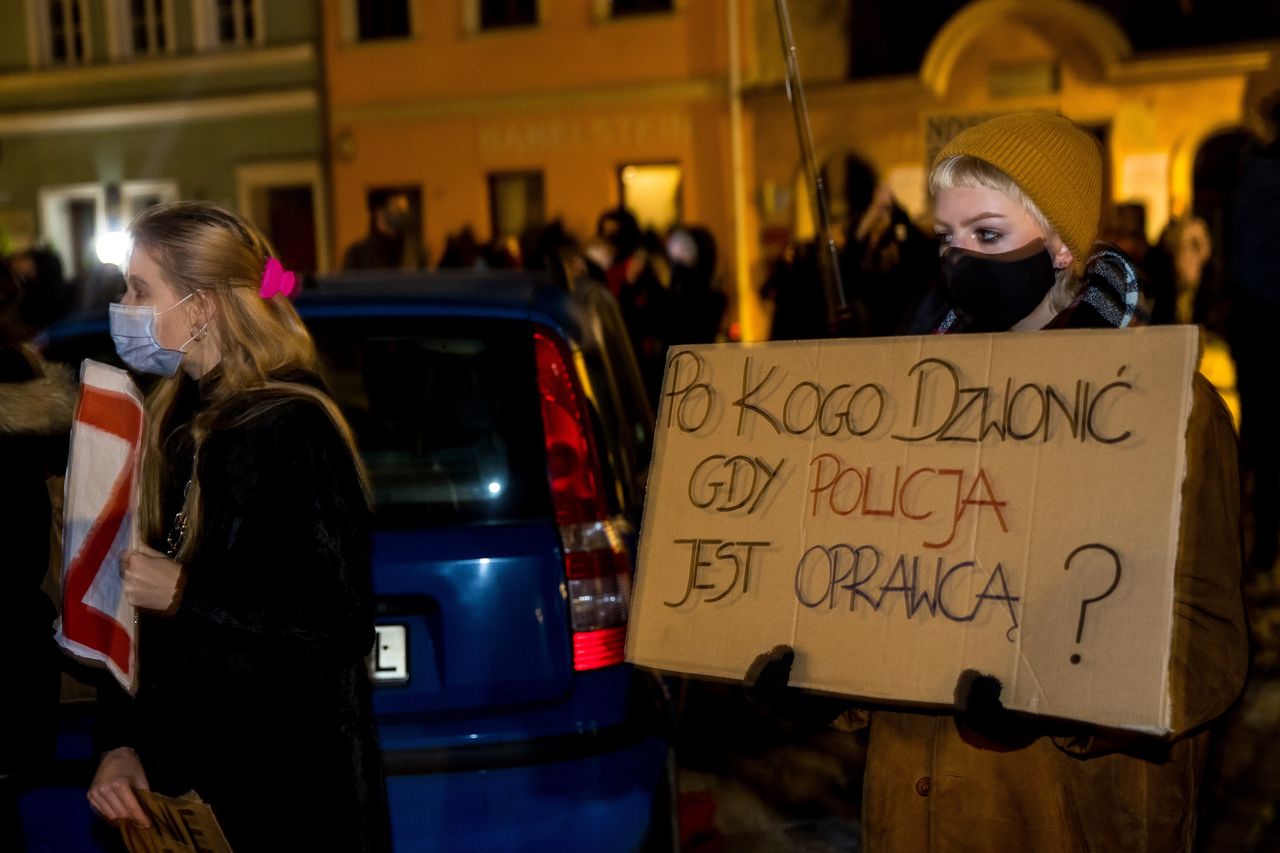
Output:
x=276 y=279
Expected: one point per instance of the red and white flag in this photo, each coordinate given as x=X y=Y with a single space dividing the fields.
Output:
x=98 y=621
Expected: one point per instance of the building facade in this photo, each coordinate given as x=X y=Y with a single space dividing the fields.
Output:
x=505 y=116
x=500 y=116
x=108 y=106
x=1161 y=116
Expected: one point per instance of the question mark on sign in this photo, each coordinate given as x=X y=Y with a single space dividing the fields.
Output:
x=1084 y=605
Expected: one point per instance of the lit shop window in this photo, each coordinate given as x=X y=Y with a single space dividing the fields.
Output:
x=515 y=202
x=652 y=191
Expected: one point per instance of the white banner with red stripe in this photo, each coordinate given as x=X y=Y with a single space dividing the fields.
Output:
x=98 y=622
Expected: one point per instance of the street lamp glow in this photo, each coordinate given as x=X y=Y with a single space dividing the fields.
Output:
x=495 y=487
x=112 y=247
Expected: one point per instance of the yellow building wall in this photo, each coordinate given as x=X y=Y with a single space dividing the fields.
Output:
x=570 y=49
x=575 y=97
x=578 y=151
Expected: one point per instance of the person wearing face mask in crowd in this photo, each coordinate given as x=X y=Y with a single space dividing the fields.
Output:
x=1017 y=201
x=253 y=585
x=391 y=242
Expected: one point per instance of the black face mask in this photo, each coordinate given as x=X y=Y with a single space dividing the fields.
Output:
x=992 y=292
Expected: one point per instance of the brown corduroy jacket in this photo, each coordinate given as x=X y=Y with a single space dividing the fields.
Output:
x=932 y=786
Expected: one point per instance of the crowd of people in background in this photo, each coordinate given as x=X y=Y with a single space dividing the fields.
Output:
x=671 y=288
x=667 y=283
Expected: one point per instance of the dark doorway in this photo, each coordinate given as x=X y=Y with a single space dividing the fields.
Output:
x=291 y=227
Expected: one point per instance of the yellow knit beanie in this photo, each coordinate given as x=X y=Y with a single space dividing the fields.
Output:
x=1055 y=163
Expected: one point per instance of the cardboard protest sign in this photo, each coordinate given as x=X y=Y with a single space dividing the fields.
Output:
x=99 y=508
x=903 y=510
x=178 y=825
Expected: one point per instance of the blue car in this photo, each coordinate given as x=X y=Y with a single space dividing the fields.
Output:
x=506 y=434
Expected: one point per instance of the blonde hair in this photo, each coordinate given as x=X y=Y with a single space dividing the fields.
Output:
x=962 y=170
x=203 y=248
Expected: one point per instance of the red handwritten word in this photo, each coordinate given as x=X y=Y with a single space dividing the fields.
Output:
x=845 y=490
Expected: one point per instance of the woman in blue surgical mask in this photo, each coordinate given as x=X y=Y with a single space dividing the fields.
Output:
x=253 y=585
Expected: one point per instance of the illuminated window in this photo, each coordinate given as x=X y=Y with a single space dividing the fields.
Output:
x=652 y=191
x=498 y=14
x=515 y=202
x=61 y=31
x=382 y=19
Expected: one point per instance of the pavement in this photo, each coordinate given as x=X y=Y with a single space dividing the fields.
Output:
x=751 y=780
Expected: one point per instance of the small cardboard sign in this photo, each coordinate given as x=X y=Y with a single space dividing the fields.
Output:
x=902 y=510
x=178 y=825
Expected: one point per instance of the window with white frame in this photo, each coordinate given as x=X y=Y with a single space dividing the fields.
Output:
x=59 y=31
x=221 y=24
x=75 y=218
x=140 y=27
x=151 y=27
x=237 y=22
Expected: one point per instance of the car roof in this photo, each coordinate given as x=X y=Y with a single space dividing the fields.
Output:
x=508 y=294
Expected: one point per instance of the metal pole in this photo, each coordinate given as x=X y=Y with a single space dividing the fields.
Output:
x=744 y=294
x=828 y=253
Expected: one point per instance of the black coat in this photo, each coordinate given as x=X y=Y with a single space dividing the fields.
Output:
x=254 y=694
x=36 y=405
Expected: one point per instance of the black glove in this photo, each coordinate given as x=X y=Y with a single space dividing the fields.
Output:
x=766 y=686
x=979 y=713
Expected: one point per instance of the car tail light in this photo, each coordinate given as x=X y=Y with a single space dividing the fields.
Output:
x=596 y=566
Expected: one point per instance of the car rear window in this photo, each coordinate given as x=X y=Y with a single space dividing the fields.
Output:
x=445 y=411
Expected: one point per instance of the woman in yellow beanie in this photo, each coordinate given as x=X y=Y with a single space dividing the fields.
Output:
x=1017 y=201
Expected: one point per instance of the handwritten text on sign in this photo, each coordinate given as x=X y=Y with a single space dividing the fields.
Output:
x=902 y=509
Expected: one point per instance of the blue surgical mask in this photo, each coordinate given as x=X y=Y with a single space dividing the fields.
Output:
x=133 y=331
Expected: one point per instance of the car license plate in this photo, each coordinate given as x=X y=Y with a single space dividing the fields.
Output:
x=389 y=662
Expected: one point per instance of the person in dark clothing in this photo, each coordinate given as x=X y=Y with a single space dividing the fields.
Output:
x=36 y=404
x=391 y=242
x=1254 y=257
x=698 y=305
x=888 y=265
x=794 y=285
x=254 y=586
x=460 y=250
